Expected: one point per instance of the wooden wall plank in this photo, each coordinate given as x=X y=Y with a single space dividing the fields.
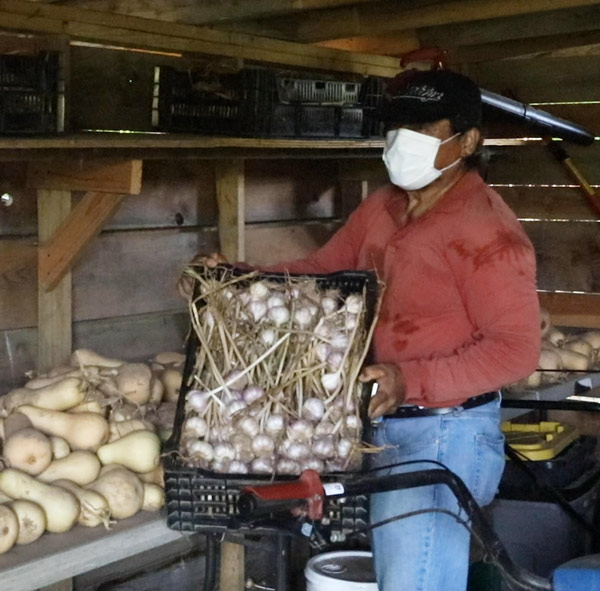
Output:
x=105 y=175
x=533 y=164
x=269 y=244
x=135 y=338
x=548 y=203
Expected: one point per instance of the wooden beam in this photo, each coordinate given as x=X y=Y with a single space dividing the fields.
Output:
x=54 y=307
x=208 y=11
x=395 y=44
x=513 y=28
x=123 y=177
x=344 y=22
x=572 y=309
x=59 y=253
x=229 y=180
x=129 y=31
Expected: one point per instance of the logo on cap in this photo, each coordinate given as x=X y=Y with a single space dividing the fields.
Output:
x=422 y=93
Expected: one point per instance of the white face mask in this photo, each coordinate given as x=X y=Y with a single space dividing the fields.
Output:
x=409 y=157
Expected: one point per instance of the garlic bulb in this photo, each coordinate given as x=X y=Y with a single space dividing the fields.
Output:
x=313 y=409
x=344 y=447
x=335 y=360
x=331 y=381
x=297 y=451
x=198 y=400
x=300 y=430
x=258 y=310
x=329 y=305
x=224 y=452
x=279 y=315
x=262 y=466
x=252 y=394
x=302 y=318
x=275 y=300
x=258 y=290
x=275 y=424
x=354 y=304
x=221 y=467
x=267 y=336
x=339 y=340
x=249 y=426
x=201 y=449
x=324 y=428
x=323 y=330
x=351 y=321
x=313 y=464
x=323 y=447
x=353 y=423
x=236 y=379
x=263 y=446
x=287 y=466
x=234 y=407
x=237 y=467
x=322 y=351
x=196 y=426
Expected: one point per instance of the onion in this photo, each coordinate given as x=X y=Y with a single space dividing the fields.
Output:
x=279 y=315
x=263 y=446
x=313 y=409
x=252 y=394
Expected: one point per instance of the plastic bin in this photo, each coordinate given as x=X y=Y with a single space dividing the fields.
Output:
x=539 y=441
x=539 y=535
x=202 y=500
x=259 y=102
x=29 y=96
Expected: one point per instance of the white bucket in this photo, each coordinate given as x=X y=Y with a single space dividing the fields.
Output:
x=341 y=571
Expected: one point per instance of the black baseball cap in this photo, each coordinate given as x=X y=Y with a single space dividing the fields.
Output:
x=417 y=96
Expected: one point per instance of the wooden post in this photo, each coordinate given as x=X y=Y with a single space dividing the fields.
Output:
x=229 y=181
x=54 y=307
x=232 y=571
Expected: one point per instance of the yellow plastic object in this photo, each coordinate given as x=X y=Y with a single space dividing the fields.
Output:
x=539 y=441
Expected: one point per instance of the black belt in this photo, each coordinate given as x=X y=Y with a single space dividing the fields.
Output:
x=408 y=412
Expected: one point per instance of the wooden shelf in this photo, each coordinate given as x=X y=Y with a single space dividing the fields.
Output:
x=56 y=557
x=155 y=146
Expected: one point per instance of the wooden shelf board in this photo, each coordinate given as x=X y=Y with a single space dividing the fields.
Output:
x=162 y=146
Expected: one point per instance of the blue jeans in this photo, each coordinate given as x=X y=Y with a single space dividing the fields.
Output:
x=430 y=551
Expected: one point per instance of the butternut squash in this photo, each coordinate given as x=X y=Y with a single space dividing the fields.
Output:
x=60 y=395
x=133 y=382
x=84 y=357
x=94 y=507
x=139 y=451
x=85 y=431
x=31 y=519
x=154 y=497
x=60 y=506
x=81 y=467
x=28 y=450
x=9 y=528
x=123 y=491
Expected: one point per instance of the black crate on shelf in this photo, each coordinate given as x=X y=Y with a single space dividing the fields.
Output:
x=257 y=102
x=29 y=94
x=202 y=500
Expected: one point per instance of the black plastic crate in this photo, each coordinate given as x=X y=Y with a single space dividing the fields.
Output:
x=29 y=96
x=203 y=500
x=257 y=102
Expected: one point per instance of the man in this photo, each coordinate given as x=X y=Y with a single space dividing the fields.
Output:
x=459 y=319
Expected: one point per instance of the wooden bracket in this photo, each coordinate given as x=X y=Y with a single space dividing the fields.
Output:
x=86 y=220
x=229 y=181
x=106 y=176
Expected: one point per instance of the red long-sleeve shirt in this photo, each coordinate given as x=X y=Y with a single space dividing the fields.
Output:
x=460 y=312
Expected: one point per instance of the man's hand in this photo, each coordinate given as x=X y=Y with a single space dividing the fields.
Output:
x=185 y=283
x=392 y=388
